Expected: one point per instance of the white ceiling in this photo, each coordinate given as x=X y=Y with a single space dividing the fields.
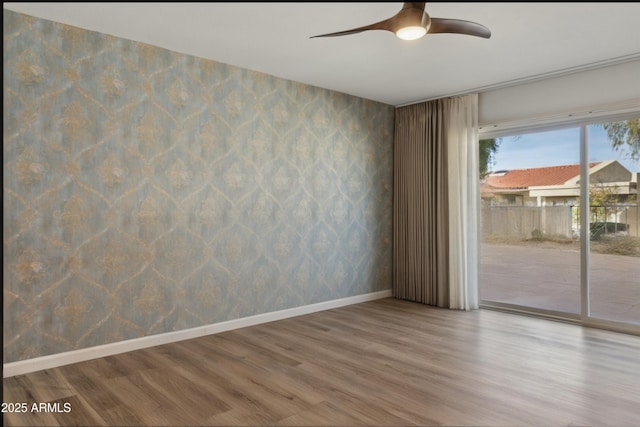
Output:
x=529 y=41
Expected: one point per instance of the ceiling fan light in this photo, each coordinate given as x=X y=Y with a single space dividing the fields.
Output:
x=413 y=32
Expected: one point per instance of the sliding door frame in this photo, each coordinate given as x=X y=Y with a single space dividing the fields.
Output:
x=563 y=122
x=585 y=238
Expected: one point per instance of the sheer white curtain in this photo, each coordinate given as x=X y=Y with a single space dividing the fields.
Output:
x=464 y=200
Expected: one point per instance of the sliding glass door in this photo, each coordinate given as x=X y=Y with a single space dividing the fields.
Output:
x=528 y=247
x=559 y=222
x=614 y=219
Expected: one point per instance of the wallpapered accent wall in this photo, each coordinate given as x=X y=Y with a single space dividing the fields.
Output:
x=147 y=191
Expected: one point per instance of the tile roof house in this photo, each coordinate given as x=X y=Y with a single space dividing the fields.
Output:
x=555 y=185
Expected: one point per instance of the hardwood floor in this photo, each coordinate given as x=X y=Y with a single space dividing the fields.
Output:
x=381 y=363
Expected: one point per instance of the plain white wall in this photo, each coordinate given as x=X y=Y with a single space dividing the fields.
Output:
x=613 y=88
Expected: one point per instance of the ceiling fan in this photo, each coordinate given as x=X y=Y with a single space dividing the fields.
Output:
x=412 y=22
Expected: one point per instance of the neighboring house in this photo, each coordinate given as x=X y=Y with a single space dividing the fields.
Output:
x=556 y=185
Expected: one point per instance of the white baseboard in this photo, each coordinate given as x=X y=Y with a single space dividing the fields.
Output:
x=54 y=360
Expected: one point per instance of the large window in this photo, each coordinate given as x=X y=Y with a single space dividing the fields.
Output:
x=560 y=222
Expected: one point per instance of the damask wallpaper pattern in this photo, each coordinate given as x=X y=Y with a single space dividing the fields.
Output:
x=147 y=191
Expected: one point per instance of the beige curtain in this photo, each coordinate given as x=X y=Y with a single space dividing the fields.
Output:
x=434 y=213
x=420 y=211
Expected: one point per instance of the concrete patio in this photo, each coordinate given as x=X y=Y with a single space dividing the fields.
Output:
x=549 y=278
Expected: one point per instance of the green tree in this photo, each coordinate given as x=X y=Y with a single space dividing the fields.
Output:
x=488 y=149
x=603 y=200
x=604 y=207
x=623 y=135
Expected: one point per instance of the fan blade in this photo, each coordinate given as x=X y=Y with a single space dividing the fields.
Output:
x=458 y=26
x=411 y=10
x=382 y=25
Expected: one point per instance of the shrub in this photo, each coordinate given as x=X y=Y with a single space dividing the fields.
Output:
x=617 y=245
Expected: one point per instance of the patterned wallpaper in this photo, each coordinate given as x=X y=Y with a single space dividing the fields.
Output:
x=147 y=191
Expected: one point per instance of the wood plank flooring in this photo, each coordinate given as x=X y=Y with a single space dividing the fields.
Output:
x=380 y=363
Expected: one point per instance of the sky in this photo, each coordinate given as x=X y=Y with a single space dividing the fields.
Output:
x=555 y=148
